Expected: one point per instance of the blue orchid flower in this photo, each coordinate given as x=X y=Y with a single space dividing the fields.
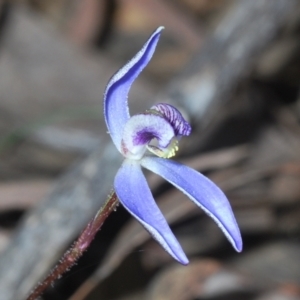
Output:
x=148 y=140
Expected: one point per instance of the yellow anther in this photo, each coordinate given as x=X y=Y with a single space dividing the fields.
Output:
x=169 y=152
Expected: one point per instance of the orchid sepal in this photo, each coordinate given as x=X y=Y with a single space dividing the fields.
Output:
x=116 y=111
x=133 y=192
x=202 y=191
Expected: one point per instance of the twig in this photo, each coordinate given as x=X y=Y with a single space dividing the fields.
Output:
x=78 y=248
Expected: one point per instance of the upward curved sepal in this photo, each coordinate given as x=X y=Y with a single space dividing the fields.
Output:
x=116 y=110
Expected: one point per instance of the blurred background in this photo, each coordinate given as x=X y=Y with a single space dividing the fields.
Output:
x=231 y=66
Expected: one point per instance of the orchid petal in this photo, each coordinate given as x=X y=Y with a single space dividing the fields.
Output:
x=202 y=191
x=116 y=111
x=173 y=115
x=133 y=192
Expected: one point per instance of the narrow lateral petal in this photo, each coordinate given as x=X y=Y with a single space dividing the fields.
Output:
x=133 y=192
x=116 y=111
x=202 y=191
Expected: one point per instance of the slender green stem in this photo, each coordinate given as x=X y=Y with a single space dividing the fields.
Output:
x=81 y=244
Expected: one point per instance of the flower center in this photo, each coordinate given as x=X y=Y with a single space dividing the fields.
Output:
x=157 y=130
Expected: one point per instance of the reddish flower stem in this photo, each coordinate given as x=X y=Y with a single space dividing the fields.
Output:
x=75 y=252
